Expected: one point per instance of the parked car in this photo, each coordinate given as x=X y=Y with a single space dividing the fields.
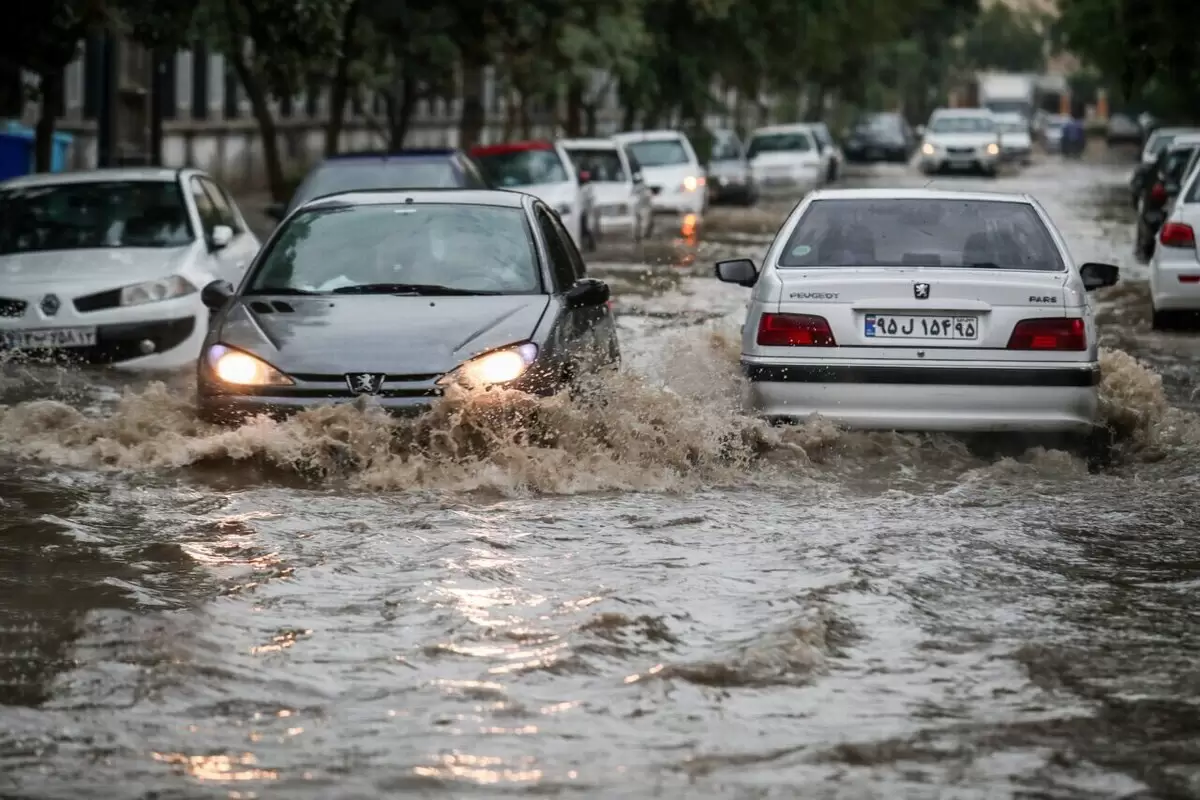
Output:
x=1052 y=132
x=1175 y=264
x=880 y=136
x=1123 y=129
x=1016 y=145
x=1171 y=167
x=786 y=159
x=106 y=266
x=542 y=168
x=678 y=183
x=432 y=168
x=621 y=199
x=729 y=176
x=1155 y=143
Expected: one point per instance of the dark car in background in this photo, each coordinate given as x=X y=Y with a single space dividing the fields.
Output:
x=1160 y=189
x=880 y=136
x=429 y=168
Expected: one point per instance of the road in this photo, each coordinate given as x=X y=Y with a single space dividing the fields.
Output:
x=667 y=600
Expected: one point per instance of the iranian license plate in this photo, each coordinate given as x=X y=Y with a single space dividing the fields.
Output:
x=889 y=326
x=47 y=338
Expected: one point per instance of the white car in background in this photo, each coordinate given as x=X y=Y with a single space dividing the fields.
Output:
x=786 y=159
x=1016 y=143
x=543 y=169
x=619 y=192
x=923 y=310
x=960 y=139
x=106 y=266
x=1175 y=264
x=671 y=170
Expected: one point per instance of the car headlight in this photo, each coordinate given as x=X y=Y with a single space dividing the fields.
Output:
x=927 y=149
x=691 y=183
x=563 y=209
x=499 y=366
x=156 y=291
x=239 y=368
x=993 y=149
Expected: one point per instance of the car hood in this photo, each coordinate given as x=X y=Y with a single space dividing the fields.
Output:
x=378 y=333
x=670 y=177
x=960 y=139
x=1016 y=139
x=94 y=267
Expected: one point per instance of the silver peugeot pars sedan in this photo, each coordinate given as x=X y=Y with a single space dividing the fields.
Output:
x=398 y=294
x=924 y=310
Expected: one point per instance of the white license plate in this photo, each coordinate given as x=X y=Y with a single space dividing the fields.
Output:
x=889 y=326
x=48 y=338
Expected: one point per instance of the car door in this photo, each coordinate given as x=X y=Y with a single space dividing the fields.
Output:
x=599 y=325
x=641 y=192
x=236 y=256
x=573 y=335
x=206 y=208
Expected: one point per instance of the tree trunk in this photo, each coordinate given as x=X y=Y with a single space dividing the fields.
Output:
x=339 y=90
x=401 y=103
x=261 y=109
x=575 y=109
x=815 y=103
x=470 y=126
x=589 y=119
x=43 y=143
x=524 y=122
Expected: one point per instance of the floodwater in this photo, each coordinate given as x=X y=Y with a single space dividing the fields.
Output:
x=667 y=599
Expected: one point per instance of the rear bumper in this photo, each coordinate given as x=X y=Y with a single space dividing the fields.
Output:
x=1167 y=291
x=1049 y=399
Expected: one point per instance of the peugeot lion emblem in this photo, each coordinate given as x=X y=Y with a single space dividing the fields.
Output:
x=921 y=291
x=50 y=305
x=365 y=382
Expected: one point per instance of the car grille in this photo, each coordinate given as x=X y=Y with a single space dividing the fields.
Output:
x=11 y=308
x=960 y=151
x=655 y=189
x=110 y=298
x=614 y=209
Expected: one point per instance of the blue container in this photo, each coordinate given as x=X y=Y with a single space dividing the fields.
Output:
x=16 y=154
x=59 y=150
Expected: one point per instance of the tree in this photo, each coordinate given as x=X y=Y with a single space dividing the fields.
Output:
x=1004 y=40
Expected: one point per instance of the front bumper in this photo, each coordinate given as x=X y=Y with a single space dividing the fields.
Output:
x=679 y=202
x=976 y=160
x=118 y=343
x=962 y=399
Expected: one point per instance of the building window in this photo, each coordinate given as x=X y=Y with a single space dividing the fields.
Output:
x=200 y=82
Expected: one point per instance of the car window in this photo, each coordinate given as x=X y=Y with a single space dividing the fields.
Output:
x=1191 y=193
x=965 y=124
x=467 y=247
x=1176 y=163
x=635 y=166
x=74 y=216
x=660 y=152
x=204 y=205
x=560 y=258
x=604 y=165
x=351 y=175
x=921 y=232
x=727 y=148
x=798 y=142
x=1012 y=127
x=222 y=204
x=578 y=268
x=473 y=178
x=522 y=168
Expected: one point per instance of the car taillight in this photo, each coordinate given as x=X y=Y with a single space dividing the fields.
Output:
x=1158 y=193
x=1054 y=333
x=1176 y=234
x=794 y=330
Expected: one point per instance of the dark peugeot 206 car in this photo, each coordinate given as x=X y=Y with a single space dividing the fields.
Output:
x=398 y=295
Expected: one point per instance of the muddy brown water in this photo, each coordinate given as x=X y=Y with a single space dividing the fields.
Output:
x=666 y=599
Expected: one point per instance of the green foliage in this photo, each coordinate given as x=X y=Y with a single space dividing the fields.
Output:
x=1003 y=40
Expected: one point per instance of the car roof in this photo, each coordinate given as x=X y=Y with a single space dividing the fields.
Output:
x=791 y=127
x=394 y=155
x=606 y=144
x=498 y=198
x=512 y=147
x=918 y=194
x=1185 y=140
x=961 y=112
x=661 y=134
x=154 y=174
x=1176 y=130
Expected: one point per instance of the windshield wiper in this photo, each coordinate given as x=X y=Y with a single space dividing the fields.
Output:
x=429 y=289
x=280 y=290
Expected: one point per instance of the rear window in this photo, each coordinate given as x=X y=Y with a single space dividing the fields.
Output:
x=779 y=143
x=1175 y=167
x=602 y=164
x=355 y=175
x=522 y=168
x=660 y=153
x=982 y=234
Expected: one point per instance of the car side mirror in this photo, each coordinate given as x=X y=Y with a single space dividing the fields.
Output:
x=1097 y=276
x=920 y=130
x=588 y=293
x=220 y=237
x=216 y=294
x=737 y=270
x=637 y=177
x=585 y=177
x=276 y=211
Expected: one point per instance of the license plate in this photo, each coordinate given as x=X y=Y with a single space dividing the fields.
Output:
x=48 y=338
x=612 y=209
x=887 y=326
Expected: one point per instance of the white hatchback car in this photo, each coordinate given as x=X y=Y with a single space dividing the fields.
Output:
x=922 y=310
x=1175 y=264
x=106 y=266
x=787 y=159
x=621 y=199
x=672 y=171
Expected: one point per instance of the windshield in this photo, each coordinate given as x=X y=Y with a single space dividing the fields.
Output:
x=75 y=216
x=333 y=177
x=879 y=123
x=779 y=143
x=1176 y=164
x=1012 y=127
x=1004 y=106
x=464 y=247
x=987 y=234
x=972 y=124
x=726 y=148
x=660 y=153
x=523 y=168
x=603 y=165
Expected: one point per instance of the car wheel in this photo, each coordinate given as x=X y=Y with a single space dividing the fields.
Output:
x=1096 y=448
x=1161 y=320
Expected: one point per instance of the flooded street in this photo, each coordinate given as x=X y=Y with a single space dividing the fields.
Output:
x=668 y=599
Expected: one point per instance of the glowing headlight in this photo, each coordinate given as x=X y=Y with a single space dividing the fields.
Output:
x=927 y=149
x=498 y=366
x=242 y=369
x=156 y=291
x=993 y=149
x=691 y=183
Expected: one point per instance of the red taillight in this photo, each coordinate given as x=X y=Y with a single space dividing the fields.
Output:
x=794 y=330
x=1176 y=234
x=1158 y=193
x=1055 y=333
